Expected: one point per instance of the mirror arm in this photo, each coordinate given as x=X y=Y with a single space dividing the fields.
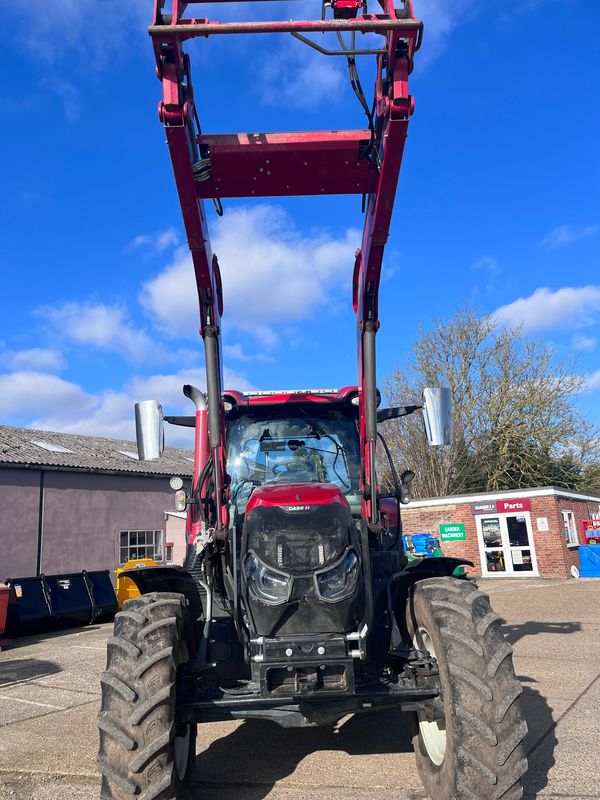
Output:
x=186 y=422
x=398 y=411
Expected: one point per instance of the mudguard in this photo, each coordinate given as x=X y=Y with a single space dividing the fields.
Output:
x=432 y=567
x=167 y=579
x=399 y=590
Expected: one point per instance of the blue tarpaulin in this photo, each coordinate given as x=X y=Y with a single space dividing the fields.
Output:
x=589 y=561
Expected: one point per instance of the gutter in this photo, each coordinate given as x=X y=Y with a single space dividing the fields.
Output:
x=91 y=470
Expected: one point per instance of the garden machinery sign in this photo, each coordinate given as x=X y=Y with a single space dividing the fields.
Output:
x=452 y=532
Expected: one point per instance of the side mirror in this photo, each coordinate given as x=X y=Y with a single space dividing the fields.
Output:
x=437 y=415
x=149 y=430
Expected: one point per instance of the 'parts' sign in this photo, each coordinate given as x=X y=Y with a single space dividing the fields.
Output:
x=502 y=506
x=519 y=504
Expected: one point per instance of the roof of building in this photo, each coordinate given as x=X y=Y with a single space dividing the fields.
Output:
x=481 y=497
x=27 y=447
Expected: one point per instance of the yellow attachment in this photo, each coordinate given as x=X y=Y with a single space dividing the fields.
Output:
x=126 y=588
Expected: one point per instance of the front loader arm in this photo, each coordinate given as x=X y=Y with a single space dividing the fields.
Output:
x=177 y=113
x=362 y=162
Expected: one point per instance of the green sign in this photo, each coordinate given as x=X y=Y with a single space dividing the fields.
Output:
x=453 y=532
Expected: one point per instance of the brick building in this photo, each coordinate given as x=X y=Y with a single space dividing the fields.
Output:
x=507 y=534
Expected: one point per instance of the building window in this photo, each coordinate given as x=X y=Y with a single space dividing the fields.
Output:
x=141 y=544
x=169 y=553
x=570 y=529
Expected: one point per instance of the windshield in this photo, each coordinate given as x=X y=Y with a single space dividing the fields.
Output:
x=296 y=448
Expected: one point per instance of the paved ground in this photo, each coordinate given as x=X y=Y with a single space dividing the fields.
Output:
x=49 y=690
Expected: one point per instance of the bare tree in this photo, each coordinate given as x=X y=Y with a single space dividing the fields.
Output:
x=515 y=422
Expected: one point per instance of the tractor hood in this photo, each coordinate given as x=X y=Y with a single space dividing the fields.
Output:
x=294 y=495
x=300 y=560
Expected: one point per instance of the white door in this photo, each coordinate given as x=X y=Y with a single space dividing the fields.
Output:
x=506 y=544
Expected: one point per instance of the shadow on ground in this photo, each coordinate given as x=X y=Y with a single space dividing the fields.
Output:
x=260 y=753
x=263 y=753
x=42 y=636
x=532 y=628
x=26 y=669
x=541 y=740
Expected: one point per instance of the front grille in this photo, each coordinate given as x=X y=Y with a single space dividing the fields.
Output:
x=306 y=680
x=299 y=542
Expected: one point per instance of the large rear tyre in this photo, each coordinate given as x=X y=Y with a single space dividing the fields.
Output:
x=141 y=753
x=476 y=751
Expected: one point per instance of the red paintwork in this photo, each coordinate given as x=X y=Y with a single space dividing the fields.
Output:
x=335 y=397
x=296 y=494
x=4 y=595
x=288 y=164
x=506 y=506
x=368 y=23
x=320 y=163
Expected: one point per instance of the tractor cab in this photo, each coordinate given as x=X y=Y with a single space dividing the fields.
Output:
x=304 y=442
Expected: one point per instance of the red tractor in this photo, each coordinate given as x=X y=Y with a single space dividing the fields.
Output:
x=320 y=614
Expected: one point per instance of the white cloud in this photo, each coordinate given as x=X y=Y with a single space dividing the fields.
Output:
x=39 y=400
x=440 y=19
x=592 y=381
x=487 y=263
x=270 y=270
x=68 y=94
x=582 y=342
x=93 y=28
x=296 y=76
x=35 y=358
x=237 y=353
x=565 y=235
x=28 y=393
x=104 y=327
x=155 y=242
x=545 y=309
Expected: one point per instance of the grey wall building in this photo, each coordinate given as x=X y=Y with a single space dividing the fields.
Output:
x=70 y=502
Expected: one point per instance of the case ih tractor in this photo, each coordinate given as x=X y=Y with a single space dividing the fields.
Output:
x=320 y=613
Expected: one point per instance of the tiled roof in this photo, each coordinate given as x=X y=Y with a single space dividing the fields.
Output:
x=26 y=446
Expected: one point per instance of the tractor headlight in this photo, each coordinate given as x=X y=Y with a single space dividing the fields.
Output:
x=340 y=581
x=266 y=584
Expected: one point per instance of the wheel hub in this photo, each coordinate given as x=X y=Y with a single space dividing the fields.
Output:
x=432 y=731
x=181 y=752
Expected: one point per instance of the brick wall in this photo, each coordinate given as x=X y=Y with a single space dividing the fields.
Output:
x=428 y=520
x=554 y=558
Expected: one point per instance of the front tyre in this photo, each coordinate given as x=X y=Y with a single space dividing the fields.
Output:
x=142 y=754
x=475 y=752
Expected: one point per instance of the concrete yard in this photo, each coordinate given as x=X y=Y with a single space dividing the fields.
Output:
x=49 y=697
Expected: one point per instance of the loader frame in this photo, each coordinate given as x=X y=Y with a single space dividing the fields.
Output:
x=361 y=162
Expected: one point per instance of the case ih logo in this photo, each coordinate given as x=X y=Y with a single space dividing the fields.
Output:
x=297 y=508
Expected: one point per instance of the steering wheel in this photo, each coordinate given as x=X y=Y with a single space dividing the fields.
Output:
x=282 y=467
x=291 y=465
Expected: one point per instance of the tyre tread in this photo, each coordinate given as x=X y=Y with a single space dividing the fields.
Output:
x=135 y=755
x=487 y=728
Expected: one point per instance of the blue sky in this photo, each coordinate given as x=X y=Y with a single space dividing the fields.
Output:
x=498 y=204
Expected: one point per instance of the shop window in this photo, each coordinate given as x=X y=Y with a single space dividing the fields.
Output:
x=141 y=544
x=570 y=529
x=517 y=531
